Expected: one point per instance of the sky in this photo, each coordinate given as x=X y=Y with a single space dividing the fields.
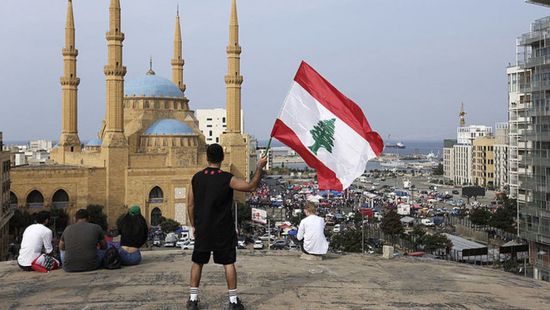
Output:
x=408 y=63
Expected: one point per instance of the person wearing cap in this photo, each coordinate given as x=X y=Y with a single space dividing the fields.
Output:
x=133 y=235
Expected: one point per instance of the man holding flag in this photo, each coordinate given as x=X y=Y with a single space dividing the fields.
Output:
x=327 y=129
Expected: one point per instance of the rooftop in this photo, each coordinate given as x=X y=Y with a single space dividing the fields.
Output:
x=279 y=280
x=151 y=85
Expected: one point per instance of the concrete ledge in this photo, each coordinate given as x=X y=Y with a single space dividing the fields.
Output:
x=311 y=257
x=278 y=280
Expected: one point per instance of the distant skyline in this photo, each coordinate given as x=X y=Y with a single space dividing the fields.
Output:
x=408 y=63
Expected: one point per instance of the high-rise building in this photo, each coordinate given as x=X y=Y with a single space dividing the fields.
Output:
x=6 y=211
x=448 y=159
x=213 y=122
x=529 y=121
x=501 y=156
x=483 y=161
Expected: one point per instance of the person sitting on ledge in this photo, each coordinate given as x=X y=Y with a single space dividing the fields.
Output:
x=79 y=244
x=35 y=237
x=133 y=235
x=312 y=232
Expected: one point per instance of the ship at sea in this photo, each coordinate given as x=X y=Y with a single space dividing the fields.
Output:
x=398 y=145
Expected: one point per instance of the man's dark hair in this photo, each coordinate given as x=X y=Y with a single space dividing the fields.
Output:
x=82 y=214
x=214 y=153
x=42 y=216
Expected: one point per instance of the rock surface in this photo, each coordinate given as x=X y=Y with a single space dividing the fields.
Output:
x=279 y=280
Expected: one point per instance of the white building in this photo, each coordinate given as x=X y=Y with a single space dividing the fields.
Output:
x=501 y=156
x=466 y=135
x=457 y=154
x=212 y=123
x=448 y=159
x=41 y=145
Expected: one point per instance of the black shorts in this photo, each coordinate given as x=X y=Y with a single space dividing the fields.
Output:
x=222 y=257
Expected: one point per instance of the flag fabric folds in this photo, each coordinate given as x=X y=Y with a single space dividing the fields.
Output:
x=327 y=129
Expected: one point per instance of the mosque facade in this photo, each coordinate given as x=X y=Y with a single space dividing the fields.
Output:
x=148 y=146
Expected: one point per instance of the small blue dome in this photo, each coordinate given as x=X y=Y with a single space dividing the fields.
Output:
x=94 y=142
x=151 y=85
x=168 y=126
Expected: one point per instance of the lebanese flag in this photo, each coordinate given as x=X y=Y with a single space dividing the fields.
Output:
x=327 y=129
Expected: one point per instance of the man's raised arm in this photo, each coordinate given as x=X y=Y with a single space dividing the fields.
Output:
x=243 y=186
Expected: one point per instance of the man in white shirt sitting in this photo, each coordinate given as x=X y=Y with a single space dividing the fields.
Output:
x=312 y=232
x=35 y=238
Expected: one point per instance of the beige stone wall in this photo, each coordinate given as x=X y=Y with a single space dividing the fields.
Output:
x=83 y=185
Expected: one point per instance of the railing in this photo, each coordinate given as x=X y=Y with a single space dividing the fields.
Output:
x=35 y=205
x=60 y=204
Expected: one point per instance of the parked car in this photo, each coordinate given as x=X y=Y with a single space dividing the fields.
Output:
x=279 y=245
x=170 y=240
x=427 y=222
x=189 y=245
x=455 y=192
x=241 y=243
x=336 y=228
x=258 y=245
x=181 y=242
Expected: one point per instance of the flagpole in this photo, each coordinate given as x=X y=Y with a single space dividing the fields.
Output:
x=268 y=145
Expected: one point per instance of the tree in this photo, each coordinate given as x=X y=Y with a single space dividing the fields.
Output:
x=58 y=219
x=244 y=212
x=19 y=221
x=480 y=216
x=435 y=242
x=323 y=134
x=169 y=225
x=347 y=241
x=97 y=216
x=391 y=224
x=416 y=236
x=438 y=170
x=503 y=218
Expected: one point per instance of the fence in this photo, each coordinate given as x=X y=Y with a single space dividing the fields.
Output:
x=492 y=232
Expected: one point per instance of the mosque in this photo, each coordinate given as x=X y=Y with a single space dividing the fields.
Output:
x=148 y=146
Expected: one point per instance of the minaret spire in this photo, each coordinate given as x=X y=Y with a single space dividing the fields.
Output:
x=233 y=79
x=114 y=75
x=69 y=140
x=177 y=60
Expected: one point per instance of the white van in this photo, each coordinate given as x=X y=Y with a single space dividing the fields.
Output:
x=427 y=222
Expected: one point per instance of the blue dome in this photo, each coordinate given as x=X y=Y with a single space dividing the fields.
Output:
x=94 y=142
x=168 y=126
x=151 y=85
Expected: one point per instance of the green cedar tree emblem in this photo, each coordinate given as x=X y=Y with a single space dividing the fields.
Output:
x=323 y=134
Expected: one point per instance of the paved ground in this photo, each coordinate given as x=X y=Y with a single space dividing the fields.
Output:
x=278 y=281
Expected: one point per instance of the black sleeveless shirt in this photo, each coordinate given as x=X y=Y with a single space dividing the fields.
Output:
x=214 y=222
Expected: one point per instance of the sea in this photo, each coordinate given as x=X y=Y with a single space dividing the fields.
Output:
x=412 y=147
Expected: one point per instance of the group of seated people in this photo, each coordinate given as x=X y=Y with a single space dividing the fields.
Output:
x=82 y=245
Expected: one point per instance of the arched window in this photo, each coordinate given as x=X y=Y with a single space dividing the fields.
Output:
x=60 y=199
x=35 y=199
x=156 y=214
x=156 y=195
x=13 y=200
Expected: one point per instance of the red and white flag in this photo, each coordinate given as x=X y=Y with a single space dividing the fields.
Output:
x=327 y=129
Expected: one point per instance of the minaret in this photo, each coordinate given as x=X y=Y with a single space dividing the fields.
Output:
x=177 y=61
x=233 y=79
x=233 y=141
x=114 y=75
x=115 y=145
x=69 y=141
